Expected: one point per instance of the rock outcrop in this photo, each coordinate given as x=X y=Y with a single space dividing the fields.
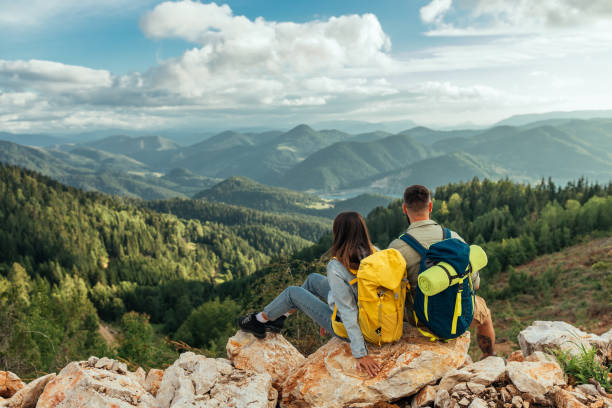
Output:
x=95 y=383
x=273 y=355
x=330 y=377
x=10 y=383
x=484 y=373
x=28 y=396
x=547 y=336
x=197 y=381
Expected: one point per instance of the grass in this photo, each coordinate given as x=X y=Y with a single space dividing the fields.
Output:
x=573 y=285
x=585 y=367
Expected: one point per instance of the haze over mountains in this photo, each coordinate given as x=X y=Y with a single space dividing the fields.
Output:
x=325 y=162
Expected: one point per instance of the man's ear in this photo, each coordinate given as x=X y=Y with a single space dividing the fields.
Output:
x=430 y=206
x=404 y=209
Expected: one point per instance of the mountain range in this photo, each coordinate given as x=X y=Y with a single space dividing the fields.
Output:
x=327 y=162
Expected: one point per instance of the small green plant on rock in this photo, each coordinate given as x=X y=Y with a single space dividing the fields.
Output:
x=584 y=367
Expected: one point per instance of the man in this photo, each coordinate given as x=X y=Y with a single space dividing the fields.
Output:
x=418 y=206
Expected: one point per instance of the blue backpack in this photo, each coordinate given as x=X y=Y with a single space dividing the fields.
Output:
x=449 y=313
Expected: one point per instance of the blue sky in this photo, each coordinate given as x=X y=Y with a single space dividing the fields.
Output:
x=73 y=66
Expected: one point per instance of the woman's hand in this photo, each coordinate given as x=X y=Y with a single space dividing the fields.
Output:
x=368 y=365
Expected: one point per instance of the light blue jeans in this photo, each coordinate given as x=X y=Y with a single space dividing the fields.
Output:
x=306 y=298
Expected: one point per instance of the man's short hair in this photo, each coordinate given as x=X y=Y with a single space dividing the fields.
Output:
x=417 y=198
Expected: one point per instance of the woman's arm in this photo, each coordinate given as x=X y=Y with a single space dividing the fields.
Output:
x=339 y=278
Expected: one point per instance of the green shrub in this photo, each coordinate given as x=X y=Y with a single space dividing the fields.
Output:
x=585 y=366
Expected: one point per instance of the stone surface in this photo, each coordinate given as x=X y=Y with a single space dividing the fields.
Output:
x=10 y=383
x=197 y=381
x=153 y=380
x=543 y=336
x=535 y=378
x=273 y=355
x=483 y=372
x=330 y=377
x=517 y=402
x=425 y=397
x=101 y=384
x=28 y=396
x=475 y=388
x=588 y=389
x=478 y=403
x=516 y=355
x=139 y=376
x=565 y=399
x=443 y=399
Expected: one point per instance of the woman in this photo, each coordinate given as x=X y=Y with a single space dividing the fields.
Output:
x=350 y=244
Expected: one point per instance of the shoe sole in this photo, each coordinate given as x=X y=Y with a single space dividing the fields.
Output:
x=258 y=335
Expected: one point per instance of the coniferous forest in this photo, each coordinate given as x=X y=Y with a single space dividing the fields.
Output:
x=74 y=264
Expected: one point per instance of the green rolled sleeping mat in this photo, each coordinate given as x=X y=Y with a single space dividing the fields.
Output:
x=437 y=278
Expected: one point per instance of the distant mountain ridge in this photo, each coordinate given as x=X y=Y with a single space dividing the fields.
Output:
x=329 y=162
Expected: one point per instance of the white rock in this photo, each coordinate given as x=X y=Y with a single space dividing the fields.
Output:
x=197 y=381
x=476 y=388
x=535 y=378
x=443 y=399
x=79 y=385
x=273 y=355
x=330 y=378
x=543 y=336
x=478 y=403
x=483 y=372
x=588 y=389
x=28 y=396
x=425 y=397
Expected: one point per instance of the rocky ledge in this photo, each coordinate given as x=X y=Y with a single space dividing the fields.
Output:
x=271 y=372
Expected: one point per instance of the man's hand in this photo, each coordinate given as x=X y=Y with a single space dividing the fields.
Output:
x=368 y=365
x=322 y=332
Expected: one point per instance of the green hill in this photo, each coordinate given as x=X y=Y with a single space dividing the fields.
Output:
x=248 y=193
x=244 y=192
x=433 y=172
x=339 y=165
x=96 y=170
x=262 y=157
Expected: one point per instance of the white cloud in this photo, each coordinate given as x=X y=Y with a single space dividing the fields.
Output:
x=52 y=76
x=503 y=17
x=434 y=11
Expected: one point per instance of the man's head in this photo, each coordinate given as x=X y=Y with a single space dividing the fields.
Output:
x=417 y=203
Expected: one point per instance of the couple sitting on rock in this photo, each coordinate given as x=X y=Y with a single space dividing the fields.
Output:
x=350 y=245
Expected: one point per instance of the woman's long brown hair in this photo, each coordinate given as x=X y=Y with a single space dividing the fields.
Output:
x=351 y=240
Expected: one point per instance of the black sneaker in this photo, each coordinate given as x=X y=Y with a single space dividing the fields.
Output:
x=250 y=324
x=275 y=326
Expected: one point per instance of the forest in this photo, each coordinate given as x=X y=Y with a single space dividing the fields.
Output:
x=182 y=270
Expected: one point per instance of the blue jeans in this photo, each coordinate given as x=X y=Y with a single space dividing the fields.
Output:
x=307 y=298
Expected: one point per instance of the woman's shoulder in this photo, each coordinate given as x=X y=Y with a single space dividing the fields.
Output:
x=335 y=266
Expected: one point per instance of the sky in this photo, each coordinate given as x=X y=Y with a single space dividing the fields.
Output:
x=69 y=66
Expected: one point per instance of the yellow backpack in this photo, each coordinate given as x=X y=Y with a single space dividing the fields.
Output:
x=381 y=293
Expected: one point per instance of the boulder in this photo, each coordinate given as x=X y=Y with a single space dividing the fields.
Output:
x=425 y=397
x=330 y=377
x=516 y=355
x=95 y=383
x=565 y=399
x=544 y=336
x=10 y=383
x=478 y=403
x=273 y=355
x=196 y=381
x=483 y=372
x=28 y=396
x=153 y=380
x=535 y=379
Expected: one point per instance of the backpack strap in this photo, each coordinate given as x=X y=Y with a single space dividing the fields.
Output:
x=416 y=245
x=446 y=233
